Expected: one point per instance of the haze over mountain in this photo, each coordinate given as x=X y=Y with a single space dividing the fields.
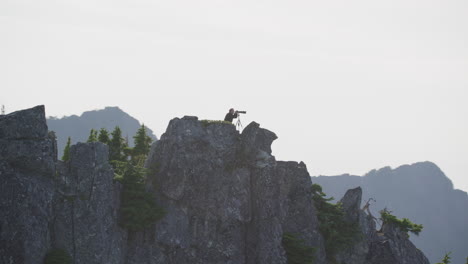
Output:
x=78 y=127
x=420 y=192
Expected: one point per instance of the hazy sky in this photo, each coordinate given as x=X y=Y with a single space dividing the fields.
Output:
x=348 y=86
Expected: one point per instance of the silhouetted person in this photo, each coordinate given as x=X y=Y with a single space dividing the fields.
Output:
x=231 y=115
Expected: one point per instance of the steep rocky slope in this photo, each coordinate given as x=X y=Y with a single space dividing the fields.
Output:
x=389 y=246
x=227 y=200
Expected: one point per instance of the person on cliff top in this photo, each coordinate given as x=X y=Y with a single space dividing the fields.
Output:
x=231 y=115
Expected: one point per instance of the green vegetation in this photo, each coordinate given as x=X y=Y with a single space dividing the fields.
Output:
x=142 y=142
x=296 y=250
x=93 y=136
x=142 y=146
x=66 y=151
x=138 y=207
x=117 y=145
x=446 y=259
x=57 y=256
x=103 y=136
x=206 y=123
x=404 y=224
x=338 y=233
x=119 y=151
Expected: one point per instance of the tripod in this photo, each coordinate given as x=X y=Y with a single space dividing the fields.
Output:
x=239 y=124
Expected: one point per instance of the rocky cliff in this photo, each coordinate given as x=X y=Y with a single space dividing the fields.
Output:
x=45 y=203
x=27 y=170
x=227 y=200
x=388 y=246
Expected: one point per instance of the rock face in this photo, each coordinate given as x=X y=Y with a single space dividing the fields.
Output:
x=392 y=246
x=86 y=207
x=227 y=200
x=27 y=168
x=45 y=203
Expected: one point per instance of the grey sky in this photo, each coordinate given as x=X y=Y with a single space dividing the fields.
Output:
x=348 y=86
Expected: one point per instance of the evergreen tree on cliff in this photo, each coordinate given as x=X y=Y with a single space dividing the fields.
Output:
x=66 y=151
x=104 y=136
x=117 y=145
x=142 y=145
x=92 y=136
x=446 y=259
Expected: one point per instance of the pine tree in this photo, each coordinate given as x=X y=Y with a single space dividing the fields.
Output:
x=117 y=145
x=446 y=259
x=104 y=136
x=142 y=146
x=142 y=142
x=93 y=136
x=66 y=151
x=138 y=208
x=404 y=224
x=3 y=109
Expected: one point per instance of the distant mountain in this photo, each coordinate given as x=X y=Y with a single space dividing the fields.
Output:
x=420 y=192
x=78 y=127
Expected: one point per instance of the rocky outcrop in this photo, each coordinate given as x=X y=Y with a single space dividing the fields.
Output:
x=27 y=168
x=389 y=246
x=86 y=207
x=227 y=200
x=394 y=247
x=295 y=198
x=45 y=203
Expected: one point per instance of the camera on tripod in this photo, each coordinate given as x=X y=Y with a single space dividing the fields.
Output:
x=241 y=112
